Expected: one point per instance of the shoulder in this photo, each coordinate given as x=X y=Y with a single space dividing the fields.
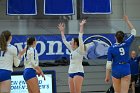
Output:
x=30 y=50
x=11 y=48
x=130 y=36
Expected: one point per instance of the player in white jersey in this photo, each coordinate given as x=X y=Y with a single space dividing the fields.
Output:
x=76 y=47
x=31 y=63
x=8 y=56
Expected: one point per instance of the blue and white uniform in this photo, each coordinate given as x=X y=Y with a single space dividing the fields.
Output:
x=30 y=62
x=118 y=54
x=6 y=62
x=76 y=57
x=134 y=66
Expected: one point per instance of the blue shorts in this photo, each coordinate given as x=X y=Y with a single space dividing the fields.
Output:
x=121 y=70
x=76 y=74
x=5 y=75
x=29 y=73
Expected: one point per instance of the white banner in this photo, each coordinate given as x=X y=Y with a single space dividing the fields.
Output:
x=18 y=85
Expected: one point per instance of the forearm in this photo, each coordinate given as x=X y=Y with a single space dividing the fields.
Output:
x=65 y=41
x=62 y=34
x=81 y=28
x=81 y=43
x=22 y=52
x=39 y=72
x=108 y=72
x=130 y=26
x=82 y=25
x=37 y=68
x=108 y=68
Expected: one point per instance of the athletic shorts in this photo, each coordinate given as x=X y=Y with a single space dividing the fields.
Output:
x=134 y=78
x=29 y=73
x=121 y=70
x=72 y=75
x=5 y=75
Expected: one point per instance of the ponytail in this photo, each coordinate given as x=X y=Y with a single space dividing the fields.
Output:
x=26 y=51
x=3 y=42
x=29 y=43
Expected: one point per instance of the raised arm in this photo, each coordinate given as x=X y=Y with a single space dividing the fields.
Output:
x=21 y=53
x=82 y=23
x=61 y=27
x=130 y=26
x=81 y=43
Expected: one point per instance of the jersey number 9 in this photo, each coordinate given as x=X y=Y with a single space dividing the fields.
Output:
x=122 y=52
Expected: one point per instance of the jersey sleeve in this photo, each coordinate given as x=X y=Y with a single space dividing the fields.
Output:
x=109 y=55
x=66 y=43
x=15 y=57
x=81 y=44
x=130 y=39
x=31 y=55
x=36 y=57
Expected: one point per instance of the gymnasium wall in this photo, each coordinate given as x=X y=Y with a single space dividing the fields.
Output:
x=41 y=24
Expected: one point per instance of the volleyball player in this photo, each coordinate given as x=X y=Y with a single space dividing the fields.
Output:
x=134 y=65
x=118 y=57
x=76 y=47
x=31 y=62
x=8 y=56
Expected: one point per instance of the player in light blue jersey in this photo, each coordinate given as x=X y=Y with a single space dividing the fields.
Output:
x=118 y=60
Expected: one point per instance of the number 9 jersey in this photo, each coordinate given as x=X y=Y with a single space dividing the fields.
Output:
x=118 y=54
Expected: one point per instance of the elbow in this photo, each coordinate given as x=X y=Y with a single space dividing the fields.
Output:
x=16 y=63
x=133 y=32
x=35 y=65
x=108 y=65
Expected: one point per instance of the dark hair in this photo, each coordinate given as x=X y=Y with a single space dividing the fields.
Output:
x=30 y=41
x=120 y=36
x=4 y=37
x=76 y=40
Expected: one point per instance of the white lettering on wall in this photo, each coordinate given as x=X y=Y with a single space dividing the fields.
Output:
x=51 y=47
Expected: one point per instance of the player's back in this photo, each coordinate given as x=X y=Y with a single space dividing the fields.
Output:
x=120 y=53
x=7 y=58
x=31 y=58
